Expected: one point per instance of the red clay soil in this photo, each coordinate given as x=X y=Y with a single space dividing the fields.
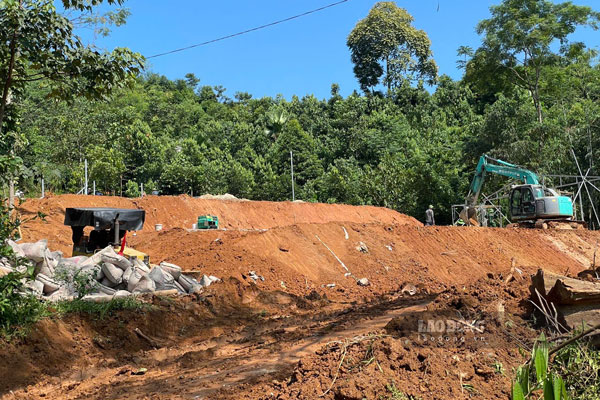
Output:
x=242 y=339
x=294 y=245
x=183 y=211
x=397 y=363
x=237 y=342
x=293 y=259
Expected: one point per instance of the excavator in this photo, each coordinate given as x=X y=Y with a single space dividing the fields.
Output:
x=531 y=204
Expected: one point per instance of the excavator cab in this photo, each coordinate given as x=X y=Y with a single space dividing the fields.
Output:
x=522 y=202
x=110 y=226
x=533 y=202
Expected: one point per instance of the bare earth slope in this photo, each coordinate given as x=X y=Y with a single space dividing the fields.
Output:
x=183 y=211
x=242 y=339
x=294 y=245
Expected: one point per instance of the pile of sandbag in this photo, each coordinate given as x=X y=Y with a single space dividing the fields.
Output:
x=112 y=275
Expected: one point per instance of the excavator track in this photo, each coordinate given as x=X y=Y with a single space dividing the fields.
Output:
x=550 y=224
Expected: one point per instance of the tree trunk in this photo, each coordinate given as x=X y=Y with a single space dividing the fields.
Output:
x=11 y=194
x=387 y=75
x=8 y=82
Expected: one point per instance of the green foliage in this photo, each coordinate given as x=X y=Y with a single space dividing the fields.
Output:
x=99 y=310
x=132 y=189
x=18 y=310
x=82 y=282
x=107 y=168
x=404 y=149
x=37 y=44
x=520 y=34
x=386 y=44
x=579 y=364
x=528 y=385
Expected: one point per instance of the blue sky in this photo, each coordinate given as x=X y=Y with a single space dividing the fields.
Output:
x=303 y=56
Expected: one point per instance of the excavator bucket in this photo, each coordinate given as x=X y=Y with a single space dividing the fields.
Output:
x=469 y=215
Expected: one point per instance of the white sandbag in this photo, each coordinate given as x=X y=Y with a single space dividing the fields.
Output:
x=106 y=282
x=127 y=273
x=100 y=275
x=35 y=251
x=5 y=270
x=50 y=286
x=116 y=260
x=97 y=257
x=139 y=264
x=121 y=294
x=206 y=281
x=62 y=294
x=98 y=297
x=179 y=287
x=172 y=269
x=42 y=268
x=53 y=256
x=36 y=287
x=163 y=279
x=145 y=285
x=112 y=273
x=188 y=283
x=77 y=260
x=16 y=248
x=103 y=289
x=134 y=279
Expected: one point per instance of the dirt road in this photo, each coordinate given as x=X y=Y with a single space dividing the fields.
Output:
x=187 y=366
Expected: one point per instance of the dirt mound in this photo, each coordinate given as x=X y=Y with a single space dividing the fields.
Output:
x=403 y=363
x=301 y=247
x=298 y=259
x=183 y=211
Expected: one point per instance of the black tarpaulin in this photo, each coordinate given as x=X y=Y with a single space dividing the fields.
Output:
x=104 y=218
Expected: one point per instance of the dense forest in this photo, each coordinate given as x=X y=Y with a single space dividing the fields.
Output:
x=410 y=138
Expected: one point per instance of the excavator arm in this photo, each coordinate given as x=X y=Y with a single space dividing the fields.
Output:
x=488 y=164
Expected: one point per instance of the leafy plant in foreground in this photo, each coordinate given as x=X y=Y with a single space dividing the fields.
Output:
x=530 y=381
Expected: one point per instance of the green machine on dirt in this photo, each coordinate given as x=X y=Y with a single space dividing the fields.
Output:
x=208 y=222
x=531 y=204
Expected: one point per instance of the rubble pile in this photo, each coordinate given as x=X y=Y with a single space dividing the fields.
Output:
x=101 y=277
x=565 y=302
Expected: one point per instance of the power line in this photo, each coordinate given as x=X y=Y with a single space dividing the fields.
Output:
x=249 y=30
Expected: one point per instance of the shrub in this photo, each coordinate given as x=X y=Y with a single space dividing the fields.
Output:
x=132 y=189
x=82 y=282
x=530 y=381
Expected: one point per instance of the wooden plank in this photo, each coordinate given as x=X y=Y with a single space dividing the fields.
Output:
x=568 y=291
x=576 y=316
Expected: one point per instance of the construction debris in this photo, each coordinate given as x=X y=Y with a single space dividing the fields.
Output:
x=363 y=282
x=113 y=275
x=362 y=247
x=565 y=302
x=409 y=289
x=254 y=276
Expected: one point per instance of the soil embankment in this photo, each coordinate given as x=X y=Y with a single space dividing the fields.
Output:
x=294 y=246
x=307 y=329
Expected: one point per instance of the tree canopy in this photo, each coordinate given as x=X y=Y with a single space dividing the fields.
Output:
x=386 y=48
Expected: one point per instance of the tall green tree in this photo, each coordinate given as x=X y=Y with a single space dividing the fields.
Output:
x=37 y=43
x=386 y=44
x=520 y=36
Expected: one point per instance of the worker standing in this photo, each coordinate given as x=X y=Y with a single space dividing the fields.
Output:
x=429 y=217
